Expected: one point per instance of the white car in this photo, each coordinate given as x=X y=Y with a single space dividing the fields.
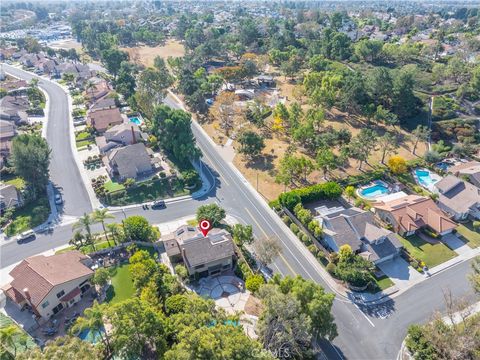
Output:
x=26 y=235
x=58 y=199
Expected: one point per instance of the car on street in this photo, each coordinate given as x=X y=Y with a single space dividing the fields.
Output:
x=159 y=204
x=266 y=272
x=26 y=235
x=58 y=199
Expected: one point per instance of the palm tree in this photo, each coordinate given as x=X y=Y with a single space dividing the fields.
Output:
x=84 y=223
x=114 y=230
x=7 y=338
x=90 y=85
x=92 y=319
x=99 y=216
x=77 y=240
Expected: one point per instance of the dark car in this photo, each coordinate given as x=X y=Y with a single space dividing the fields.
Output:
x=159 y=204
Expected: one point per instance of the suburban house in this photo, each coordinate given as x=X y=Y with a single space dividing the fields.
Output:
x=9 y=196
x=49 y=284
x=80 y=72
x=458 y=198
x=470 y=170
x=119 y=135
x=103 y=104
x=14 y=108
x=411 y=213
x=13 y=84
x=202 y=255
x=358 y=229
x=99 y=89
x=129 y=162
x=7 y=132
x=102 y=119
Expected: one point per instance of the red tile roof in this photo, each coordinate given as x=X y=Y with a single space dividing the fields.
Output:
x=70 y=295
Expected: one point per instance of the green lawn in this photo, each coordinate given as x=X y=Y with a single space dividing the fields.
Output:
x=83 y=135
x=470 y=236
x=113 y=186
x=148 y=191
x=18 y=182
x=29 y=215
x=6 y=321
x=122 y=285
x=83 y=143
x=381 y=283
x=431 y=254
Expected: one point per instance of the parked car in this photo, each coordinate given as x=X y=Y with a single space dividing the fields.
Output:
x=58 y=199
x=159 y=204
x=26 y=235
x=266 y=272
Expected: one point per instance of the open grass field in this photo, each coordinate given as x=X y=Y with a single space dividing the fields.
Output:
x=144 y=55
x=430 y=254
x=469 y=235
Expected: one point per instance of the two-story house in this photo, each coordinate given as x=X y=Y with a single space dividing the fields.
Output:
x=458 y=198
x=358 y=229
x=48 y=284
x=203 y=255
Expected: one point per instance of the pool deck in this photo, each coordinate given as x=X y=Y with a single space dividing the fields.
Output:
x=432 y=175
x=372 y=184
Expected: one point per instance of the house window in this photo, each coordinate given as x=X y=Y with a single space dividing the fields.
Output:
x=199 y=266
x=225 y=267
x=45 y=304
x=60 y=294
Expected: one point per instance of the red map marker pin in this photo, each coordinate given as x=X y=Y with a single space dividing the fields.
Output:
x=205 y=227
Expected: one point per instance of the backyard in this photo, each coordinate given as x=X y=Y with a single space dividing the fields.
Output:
x=469 y=235
x=29 y=216
x=432 y=254
x=122 y=284
x=22 y=340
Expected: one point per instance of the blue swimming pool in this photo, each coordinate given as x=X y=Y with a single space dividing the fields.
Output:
x=376 y=190
x=136 y=120
x=443 y=165
x=91 y=336
x=425 y=178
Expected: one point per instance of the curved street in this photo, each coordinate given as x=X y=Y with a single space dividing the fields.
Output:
x=365 y=332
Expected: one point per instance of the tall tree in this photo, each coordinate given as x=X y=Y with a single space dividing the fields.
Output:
x=224 y=110
x=388 y=143
x=362 y=145
x=211 y=212
x=31 y=159
x=85 y=222
x=93 y=319
x=267 y=249
x=63 y=348
x=251 y=144
x=326 y=160
x=174 y=133
x=420 y=133
x=113 y=59
x=99 y=216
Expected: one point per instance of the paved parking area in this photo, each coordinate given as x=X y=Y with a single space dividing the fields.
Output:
x=400 y=272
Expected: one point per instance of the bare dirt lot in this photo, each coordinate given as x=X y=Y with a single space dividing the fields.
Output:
x=144 y=55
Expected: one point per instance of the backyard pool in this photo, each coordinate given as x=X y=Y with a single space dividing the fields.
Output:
x=136 y=120
x=374 y=190
x=91 y=336
x=426 y=178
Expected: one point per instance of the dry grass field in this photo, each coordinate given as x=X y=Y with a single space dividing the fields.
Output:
x=144 y=55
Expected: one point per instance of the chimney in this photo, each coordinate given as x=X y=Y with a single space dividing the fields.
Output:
x=27 y=294
x=133 y=135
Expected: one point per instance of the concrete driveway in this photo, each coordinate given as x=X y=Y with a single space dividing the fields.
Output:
x=457 y=245
x=401 y=273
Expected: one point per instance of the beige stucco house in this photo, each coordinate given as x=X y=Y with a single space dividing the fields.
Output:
x=202 y=255
x=49 y=284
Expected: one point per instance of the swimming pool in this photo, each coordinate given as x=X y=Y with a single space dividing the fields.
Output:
x=443 y=165
x=425 y=178
x=136 y=120
x=377 y=189
x=91 y=336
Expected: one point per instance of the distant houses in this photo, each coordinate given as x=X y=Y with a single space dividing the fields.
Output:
x=104 y=118
x=458 y=198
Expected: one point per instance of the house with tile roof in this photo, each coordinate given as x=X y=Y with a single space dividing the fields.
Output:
x=411 y=213
x=358 y=229
x=458 y=198
x=203 y=255
x=48 y=284
x=102 y=119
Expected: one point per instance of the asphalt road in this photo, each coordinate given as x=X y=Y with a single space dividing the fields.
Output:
x=64 y=173
x=374 y=332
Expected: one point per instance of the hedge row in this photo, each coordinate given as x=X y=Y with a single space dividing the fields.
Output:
x=326 y=191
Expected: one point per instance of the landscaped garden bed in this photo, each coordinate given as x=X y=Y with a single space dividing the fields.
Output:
x=28 y=216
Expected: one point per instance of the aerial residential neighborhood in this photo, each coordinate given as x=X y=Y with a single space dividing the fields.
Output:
x=240 y=180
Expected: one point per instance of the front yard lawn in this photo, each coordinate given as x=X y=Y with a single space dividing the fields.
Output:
x=122 y=285
x=113 y=186
x=147 y=191
x=29 y=215
x=468 y=235
x=431 y=254
x=380 y=284
x=83 y=143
